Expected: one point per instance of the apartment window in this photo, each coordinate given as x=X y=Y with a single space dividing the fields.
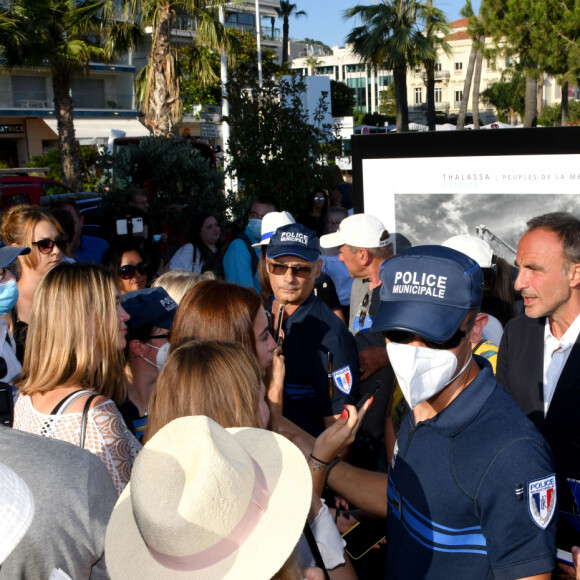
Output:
x=418 y=99
x=437 y=67
x=458 y=66
x=88 y=93
x=458 y=96
x=437 y=94
x=29 y=92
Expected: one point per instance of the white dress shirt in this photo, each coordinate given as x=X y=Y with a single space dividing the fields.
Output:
x=556 y=353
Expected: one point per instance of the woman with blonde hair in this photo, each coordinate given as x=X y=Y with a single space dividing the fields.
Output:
x=72 y=373
x=177 y=282
x=222 y=381
x=30 y=226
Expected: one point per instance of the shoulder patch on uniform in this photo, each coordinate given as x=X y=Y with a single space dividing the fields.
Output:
x=343 y=379
x=542 y=500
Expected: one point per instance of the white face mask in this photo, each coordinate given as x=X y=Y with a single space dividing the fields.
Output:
x=160 y=357
x=422 y=372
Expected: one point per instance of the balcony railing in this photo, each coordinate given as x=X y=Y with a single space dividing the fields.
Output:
x=29 y=100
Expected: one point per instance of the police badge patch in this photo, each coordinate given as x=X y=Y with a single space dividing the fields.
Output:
x=343 y=379
x=542 y=500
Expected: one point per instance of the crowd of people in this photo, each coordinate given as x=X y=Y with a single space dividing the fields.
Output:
x=312 y=399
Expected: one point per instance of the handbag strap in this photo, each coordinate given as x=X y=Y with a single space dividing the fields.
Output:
x=83 y=432
x=71 y=397
x=314 y=549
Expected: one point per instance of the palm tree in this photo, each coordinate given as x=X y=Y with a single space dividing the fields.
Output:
x=65 y=35
x=473 y=71
x=436 y=28
x=286 y=10
x=390 y=35
x=312 y=63
x=158 y=82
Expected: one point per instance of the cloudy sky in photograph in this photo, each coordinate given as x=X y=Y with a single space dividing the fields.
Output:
x=432 y=218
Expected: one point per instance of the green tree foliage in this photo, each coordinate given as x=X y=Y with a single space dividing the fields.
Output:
x=275 y=151
x=556 y=36
x=507 y=95
x=52 y=160
x=65 y=35
x=512 y=23
x=552 y=115
x=342 y=99
x=180 y=182
x=197 y=89
x=391 y=34
x=388 y=102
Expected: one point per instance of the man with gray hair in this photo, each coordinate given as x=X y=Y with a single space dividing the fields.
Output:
x=364 y=245
x=539 y=354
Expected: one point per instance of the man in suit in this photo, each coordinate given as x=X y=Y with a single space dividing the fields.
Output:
x=539 y=355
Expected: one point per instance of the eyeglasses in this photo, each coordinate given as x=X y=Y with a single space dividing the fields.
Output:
x=46 y=245
x=405 y=336
x=281 y=269
x=127 y=272
x=319 y=198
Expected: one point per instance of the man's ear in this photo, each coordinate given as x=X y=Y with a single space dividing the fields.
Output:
x=364 y=256
x=137 y=347
x=574 y=276
x=478 y=326
x=318 y=267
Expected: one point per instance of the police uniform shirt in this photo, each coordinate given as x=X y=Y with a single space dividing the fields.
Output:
x=310 y=333
x=471 y=492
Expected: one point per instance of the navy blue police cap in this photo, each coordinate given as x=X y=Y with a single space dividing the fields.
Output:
x=428 y=290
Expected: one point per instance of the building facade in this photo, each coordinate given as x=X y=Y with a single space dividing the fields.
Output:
x=368 y=82
x=104 y=99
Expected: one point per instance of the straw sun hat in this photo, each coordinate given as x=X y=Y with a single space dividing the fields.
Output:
x=207 y=502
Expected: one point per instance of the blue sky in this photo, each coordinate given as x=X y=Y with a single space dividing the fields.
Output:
x=324 y=18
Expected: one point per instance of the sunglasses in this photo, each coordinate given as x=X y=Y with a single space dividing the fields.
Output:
x=319 y=198
x=404 y=337
x=46 y=245
x=127 y=272
x=298 y=271
x=167 y=336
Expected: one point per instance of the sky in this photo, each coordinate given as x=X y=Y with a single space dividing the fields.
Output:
x=324 y=20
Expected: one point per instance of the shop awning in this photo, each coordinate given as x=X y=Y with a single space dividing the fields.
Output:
x=98 y=131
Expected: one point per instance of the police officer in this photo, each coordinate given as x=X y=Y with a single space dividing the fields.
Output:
x=321 y=355
x=471 y=492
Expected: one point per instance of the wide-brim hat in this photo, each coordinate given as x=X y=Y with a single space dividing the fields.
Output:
x=9 y=253
x=212 y=503
x=16 y=510
x=270 y=223
x=428 y=290
x=360 y=230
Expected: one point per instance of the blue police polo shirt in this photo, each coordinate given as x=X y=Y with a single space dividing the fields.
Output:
x=471 y=492
x=310 y=333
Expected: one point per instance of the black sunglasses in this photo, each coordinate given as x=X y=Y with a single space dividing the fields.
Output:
x=281 y=269
x=46 y=244
x=405 y=336
x=167 y=336
x=127 y=272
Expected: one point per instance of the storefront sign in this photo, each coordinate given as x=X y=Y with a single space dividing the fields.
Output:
x=11 y=129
